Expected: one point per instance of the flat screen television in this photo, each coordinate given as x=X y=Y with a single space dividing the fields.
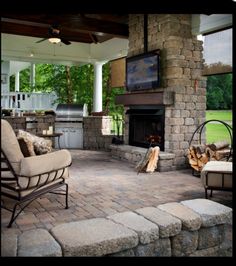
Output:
x=142 y=71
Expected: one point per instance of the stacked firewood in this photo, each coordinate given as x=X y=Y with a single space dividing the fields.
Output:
x=149 y=163
x=199 y=154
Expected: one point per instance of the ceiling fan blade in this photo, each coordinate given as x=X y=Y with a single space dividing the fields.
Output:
x=42 y=40
x=65 y=41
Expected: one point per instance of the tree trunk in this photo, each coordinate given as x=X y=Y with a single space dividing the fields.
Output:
x=108 y=94
x=69 y=87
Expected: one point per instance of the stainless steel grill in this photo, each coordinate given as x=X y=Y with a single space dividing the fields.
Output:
x=69 y=121
x=70 y=112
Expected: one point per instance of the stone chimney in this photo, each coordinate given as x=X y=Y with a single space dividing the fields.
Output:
x=180 y=72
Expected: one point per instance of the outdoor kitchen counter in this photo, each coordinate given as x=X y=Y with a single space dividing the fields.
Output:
x=16 y=122
x=34 y=123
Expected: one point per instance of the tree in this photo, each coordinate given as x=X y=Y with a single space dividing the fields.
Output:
x=72 y=84
x=219 y=92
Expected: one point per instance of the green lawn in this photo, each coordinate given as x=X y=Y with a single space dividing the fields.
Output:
x=220 y=115
x=217 y=132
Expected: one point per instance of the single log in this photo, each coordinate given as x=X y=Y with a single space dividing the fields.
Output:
x=221 y=154
x=218 y=145
x=199 y=148
x=150 y=160
x=210 y=153
x=200 y=164
x=195 y=167
x=204 y=158
x=193 y=162
x=153 y=160
x=199 y=155
x=193 y=154
x=143 y=163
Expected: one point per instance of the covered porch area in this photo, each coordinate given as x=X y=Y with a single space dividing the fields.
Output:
x=101 y=186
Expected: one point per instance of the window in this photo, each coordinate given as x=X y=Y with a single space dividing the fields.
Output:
x=217 y=52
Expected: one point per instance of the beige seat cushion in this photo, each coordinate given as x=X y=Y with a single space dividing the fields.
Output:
x=10 y=145
x=215 y=170
x=36 y=181
x=40 y=164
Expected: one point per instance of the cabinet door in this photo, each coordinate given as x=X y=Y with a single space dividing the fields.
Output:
x=72 y=138
x=75 y=139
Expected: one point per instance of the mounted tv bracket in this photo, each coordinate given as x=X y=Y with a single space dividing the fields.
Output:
x=145 y=32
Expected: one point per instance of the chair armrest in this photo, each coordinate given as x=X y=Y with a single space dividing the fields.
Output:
x=35 y=165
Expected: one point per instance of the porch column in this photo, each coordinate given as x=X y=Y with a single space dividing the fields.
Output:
x=97 y=87
x=17 y=81
x=32 y=74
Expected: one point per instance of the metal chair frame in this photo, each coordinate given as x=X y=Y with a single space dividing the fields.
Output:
x=23 y=201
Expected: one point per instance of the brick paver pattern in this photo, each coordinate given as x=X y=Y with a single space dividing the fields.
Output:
x=100 y=186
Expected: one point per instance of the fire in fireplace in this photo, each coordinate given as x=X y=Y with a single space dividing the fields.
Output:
x=146 y=126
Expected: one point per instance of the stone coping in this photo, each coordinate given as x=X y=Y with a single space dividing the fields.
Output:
x=134 y=155
x=188 y=228
x=138 y=150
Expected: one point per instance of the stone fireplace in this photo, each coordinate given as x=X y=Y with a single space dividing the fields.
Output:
x=177 y=107
x=146 y=126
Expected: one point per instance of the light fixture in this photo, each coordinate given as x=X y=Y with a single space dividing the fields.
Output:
x=54 y=40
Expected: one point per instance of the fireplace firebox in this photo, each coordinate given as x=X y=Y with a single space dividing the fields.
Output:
x=146 y=125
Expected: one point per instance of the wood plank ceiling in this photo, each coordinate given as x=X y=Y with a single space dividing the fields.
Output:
x=85 y=28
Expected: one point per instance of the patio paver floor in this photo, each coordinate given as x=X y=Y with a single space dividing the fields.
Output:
x=100 y=186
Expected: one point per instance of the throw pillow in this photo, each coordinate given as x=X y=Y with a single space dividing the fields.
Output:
x=27 y=147
x=41 y=145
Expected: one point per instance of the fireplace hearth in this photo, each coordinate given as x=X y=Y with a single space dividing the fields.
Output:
x=146 y=126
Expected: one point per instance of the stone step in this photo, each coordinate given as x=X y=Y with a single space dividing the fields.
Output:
x=135 y=154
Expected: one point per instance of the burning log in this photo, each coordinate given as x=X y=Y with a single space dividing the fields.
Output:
x=154 y=139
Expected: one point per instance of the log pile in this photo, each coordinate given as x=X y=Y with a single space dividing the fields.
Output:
x=198 y=155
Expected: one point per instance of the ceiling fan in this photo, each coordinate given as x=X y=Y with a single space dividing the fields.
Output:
x=54 y=36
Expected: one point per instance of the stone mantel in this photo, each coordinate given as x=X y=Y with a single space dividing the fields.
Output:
x=160 y=97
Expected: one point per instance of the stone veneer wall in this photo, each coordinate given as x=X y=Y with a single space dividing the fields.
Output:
x=97 y=132
x=191 y=228
x=16 y=122
x=39 y=124
x=181 y=72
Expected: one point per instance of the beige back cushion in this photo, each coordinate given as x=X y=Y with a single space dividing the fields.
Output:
x=10 y=145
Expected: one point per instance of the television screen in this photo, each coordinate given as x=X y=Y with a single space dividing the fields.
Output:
x=142 y=71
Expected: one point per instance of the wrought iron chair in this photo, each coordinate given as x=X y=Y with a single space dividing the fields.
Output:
x=24 y=179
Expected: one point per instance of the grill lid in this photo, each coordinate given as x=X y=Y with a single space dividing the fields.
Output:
x=70 y=111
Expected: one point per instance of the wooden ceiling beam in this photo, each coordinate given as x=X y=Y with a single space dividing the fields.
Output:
x=75 y=22
x=42 y=32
